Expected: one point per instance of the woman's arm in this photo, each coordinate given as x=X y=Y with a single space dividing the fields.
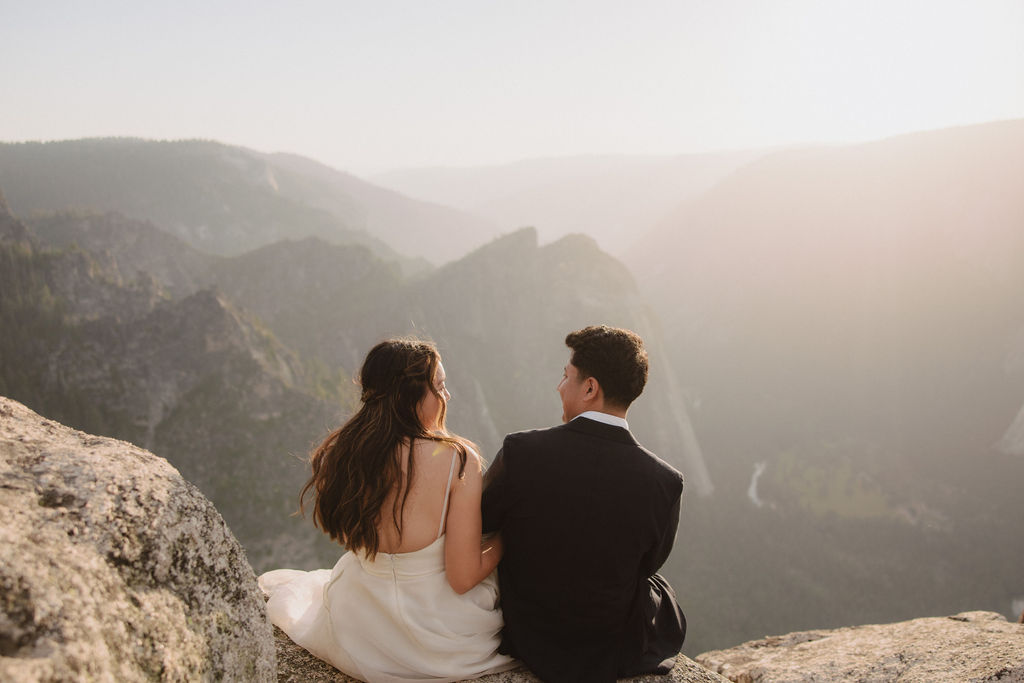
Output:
x=467 y=559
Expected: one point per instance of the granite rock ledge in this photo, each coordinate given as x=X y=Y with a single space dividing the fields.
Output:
x=113 y=567
x=295 y=665
x=971 y=646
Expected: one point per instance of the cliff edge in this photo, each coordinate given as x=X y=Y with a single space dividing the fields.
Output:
x=971 y=646
x=295 y=665
x=113 y=567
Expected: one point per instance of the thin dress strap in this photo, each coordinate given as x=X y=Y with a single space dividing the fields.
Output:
x=447 y=493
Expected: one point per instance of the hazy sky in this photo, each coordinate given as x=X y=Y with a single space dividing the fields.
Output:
x=374 y=85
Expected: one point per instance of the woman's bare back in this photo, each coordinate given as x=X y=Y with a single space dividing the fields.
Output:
x=432 y=462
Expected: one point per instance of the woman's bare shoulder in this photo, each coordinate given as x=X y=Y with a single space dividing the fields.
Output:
x=439 y=454
x=474 y=461
x=434 y=456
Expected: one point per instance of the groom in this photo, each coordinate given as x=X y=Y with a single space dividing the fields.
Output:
x=588 y=515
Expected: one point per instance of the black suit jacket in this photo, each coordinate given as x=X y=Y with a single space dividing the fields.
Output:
x=588 y=516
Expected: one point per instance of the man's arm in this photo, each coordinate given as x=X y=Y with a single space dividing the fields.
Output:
x=494 y=502
x=668 y=538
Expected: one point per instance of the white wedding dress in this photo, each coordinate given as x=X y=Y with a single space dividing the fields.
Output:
x=391 y=619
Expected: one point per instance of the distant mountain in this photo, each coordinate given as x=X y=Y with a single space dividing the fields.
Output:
x=308 y=291
x=131 y=247
x=611 y=198
x=228 y=200
x=847 y=321
x=149 y=363
x=435 y=233
x=500 y=316
x=193 y=379
x=324 y=300
x=11 y=229
x=875 y=286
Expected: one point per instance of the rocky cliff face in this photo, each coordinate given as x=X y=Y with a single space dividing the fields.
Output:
x=129 y=248
x=11 y=230
x=113 y=567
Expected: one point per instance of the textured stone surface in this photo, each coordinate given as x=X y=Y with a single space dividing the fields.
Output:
x=295 y=665
x=972 y=646
x=113 y=567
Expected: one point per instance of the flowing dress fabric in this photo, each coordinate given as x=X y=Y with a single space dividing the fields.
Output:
x=391 y=619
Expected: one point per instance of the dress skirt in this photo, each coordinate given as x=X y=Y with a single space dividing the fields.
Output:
x=390 y=620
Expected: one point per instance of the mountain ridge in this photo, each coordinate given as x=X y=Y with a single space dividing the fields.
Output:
x=611 y=197
x=223 y=199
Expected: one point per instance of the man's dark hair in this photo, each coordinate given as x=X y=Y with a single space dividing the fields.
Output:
x=615 y=357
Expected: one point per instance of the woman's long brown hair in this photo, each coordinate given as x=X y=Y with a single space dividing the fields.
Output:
x=359 y=464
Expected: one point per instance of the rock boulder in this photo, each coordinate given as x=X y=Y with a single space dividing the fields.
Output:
x=113 y=567
x=972 y=646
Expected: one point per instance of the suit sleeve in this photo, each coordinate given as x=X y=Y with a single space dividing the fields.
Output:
x=668 y=536
x=495 y=500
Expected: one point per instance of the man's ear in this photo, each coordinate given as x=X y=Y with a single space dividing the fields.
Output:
x=591 y=389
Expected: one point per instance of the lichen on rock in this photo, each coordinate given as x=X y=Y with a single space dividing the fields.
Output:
x=113 y=567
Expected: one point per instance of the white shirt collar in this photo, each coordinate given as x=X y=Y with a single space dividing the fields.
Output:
x=613 y=420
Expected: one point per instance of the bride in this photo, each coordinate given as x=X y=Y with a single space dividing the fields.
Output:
x=415 y=598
